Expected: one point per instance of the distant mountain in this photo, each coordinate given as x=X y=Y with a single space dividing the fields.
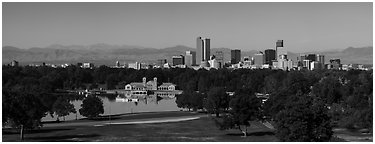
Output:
x=362 y=55
x=109 y=54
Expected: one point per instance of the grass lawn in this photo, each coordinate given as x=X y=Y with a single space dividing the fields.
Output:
x=200 y=130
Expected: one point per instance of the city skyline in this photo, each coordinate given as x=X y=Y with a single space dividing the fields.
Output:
x=245 y=26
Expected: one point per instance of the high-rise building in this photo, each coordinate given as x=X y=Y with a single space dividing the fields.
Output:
x=280 y=43
x=220 y=58
x=306 y=64
x=259 y=59
x=281 y=55
x=235 y=56
x=281 y=52
x=206 y=49
x=200 y=50
x=320 y=59
x=178 y=60
x=269 y=56
x=311 y=57
x=190 y=58
x=315 y=65
x=161 y=62
x=203 y=51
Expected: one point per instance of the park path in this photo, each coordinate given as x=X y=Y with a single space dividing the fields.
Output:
x=127 y=121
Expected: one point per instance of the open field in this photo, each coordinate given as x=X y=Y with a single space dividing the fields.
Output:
x=188 y=130
x=202 y=129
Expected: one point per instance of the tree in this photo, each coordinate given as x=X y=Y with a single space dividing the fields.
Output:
x=22 y=110
x=183 y=101
x=244 y=108
x=62 y=107
x=217 y=100
x=91 y=107
x=303 y=119
x=196 y=100
x=329 y=90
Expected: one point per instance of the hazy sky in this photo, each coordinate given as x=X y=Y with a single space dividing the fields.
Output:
x=246 y=26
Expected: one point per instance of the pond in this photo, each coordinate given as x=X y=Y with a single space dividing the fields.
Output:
x=122 y=105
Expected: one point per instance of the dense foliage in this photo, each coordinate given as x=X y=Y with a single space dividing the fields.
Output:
x=91 y=107
x=303 y=119
x=343 y=97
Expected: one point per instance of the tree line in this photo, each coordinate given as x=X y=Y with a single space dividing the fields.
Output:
x=321 y=98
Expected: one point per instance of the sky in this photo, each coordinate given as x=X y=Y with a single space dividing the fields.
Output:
x=247 y=26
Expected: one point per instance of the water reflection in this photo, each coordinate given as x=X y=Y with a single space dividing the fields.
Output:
x=120 y=104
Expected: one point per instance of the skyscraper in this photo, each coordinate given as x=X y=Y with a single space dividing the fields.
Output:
x=206 y=49
x=190 y=58
x=235 y=56
x=259 y=59
x=311 y=57
x=320 y=59
x=199 y=50
x=203 y=51
x=281 y=55
x=280 y=50
x=220 y=58
x=161 y=62
x=269 y=56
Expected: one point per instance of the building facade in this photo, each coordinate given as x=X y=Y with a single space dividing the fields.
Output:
x=203 y=51
x=259 y=59
x=235 y=56
x=190 y=58
x=178 y=60
x=87 y=65
x=335 y=64
x=135 y=65
x=220 y=58
x=269 y=56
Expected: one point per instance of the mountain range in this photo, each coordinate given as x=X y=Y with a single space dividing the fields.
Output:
x=106 y=54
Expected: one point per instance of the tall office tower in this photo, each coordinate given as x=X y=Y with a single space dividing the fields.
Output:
x=320 y=59
x=190 y=58
x=259 y=59
x=178 y=60
x=301 y=57
x=220 y=58
x=161 y=62
x=281 y=55
x=206 y=49
x=300 y=60
x=235 y=56
x=311 y=57
x=203 y=51
x=199 y=51
x=306 y=64
x=269 y=56
x=281 y=52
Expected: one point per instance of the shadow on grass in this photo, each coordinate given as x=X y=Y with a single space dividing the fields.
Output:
x=252 y=134
x=62 y=137
x=34 y=131
x=46 y=130
x=10 y=132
